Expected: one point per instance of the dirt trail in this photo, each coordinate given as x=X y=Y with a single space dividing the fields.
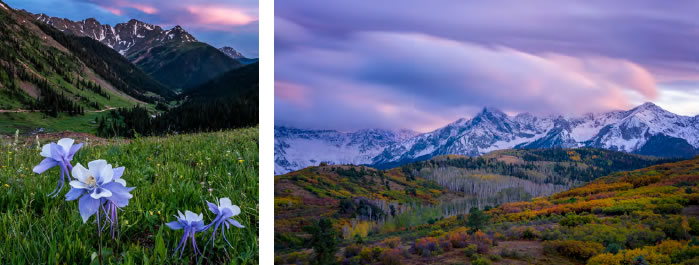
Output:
x=33 y=110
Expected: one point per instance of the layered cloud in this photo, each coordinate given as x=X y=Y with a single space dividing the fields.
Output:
x=423 y=65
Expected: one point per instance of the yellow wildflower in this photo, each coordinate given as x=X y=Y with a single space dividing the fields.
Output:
x=151 y=213
x=7 y=185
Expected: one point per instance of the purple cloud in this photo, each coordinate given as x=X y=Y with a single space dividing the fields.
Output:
x=420 y=65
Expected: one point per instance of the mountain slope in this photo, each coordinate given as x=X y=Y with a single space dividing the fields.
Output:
x=629 y=131
x=297 y=148
x=182 y=65
x=237 y=55
x=236 y=82
x=430 y=190
x=173 y=57
x=44 y=69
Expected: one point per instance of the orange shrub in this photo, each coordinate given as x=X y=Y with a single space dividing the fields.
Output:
x=391 y=242
x=581 y=250
x=593 y=188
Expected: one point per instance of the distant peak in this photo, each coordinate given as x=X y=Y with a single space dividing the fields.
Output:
x=493 y=111
x=647 y=106
x=231 y=52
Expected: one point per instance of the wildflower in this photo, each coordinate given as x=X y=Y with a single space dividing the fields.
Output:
x=7 y=185
x=191 y=223
x=58 y=154
x=102 y=184
x=151 y=213
x=224 y=215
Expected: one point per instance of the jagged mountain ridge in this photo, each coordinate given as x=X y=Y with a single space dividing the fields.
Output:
x=330 y=146
x=173 y=56
x=126 y=38
x=44 y=69
x=233 y=53
x=490 y=130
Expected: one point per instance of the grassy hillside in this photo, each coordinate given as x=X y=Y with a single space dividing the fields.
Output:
x=31 y=121
x=370 y=203
x=42 y=65
x=650 y=212
x=170 y=174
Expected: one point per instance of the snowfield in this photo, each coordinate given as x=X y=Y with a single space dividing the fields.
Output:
x=489 y=130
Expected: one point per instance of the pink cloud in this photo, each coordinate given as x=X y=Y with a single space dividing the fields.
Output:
x=114 y=11
x=291 y=92
x=115 y=7
x=220 y=15
x=144 y=8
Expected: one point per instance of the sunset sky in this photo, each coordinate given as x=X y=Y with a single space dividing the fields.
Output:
x=422 y=64
x=220 y=23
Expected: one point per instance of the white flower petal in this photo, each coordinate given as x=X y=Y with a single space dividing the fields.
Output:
x=77 y=184
x=101 y=193
x=224 y=202
x=106 y=174
x=46 y=150
x=96 y=166
x=66 y=143
x=121 y=181
x=235 y=209
x=192 y=217
x=81 y=173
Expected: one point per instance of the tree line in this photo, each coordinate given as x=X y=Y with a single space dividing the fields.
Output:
x=192 y=116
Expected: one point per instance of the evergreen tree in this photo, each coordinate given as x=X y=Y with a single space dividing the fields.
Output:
x=323 y=241
x=476 y=219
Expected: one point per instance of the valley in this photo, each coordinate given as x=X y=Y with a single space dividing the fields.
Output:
x=407 y=215
x=83 y=76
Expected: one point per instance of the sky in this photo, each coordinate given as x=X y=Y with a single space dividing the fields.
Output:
x=219 y=23
x=413 y=64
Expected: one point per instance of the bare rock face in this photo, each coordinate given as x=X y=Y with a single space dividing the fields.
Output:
x=126 y=38
x=232 y=52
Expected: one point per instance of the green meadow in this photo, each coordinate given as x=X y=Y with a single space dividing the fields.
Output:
x=178 y=172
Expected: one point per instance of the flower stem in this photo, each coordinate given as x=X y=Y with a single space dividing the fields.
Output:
x=99 y=232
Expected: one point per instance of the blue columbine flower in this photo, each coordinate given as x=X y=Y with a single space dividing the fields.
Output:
x=224 y=211
x=58 y=154
x=115 y=203
x=192 y=223
x=101 y=184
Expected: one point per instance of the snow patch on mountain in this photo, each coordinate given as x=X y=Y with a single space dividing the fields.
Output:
x=489 y=130
x=125 y=38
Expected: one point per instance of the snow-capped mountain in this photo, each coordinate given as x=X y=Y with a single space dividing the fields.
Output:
x=646 y=129
x=231 y=52
x=297 y=148
x=126 y=38
x=171 y=56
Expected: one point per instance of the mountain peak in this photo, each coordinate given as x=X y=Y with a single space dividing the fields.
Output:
x=648 y=106
x=91 y=20
x=231 y=52
x=492 y=112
